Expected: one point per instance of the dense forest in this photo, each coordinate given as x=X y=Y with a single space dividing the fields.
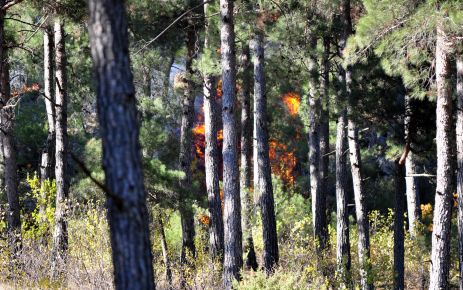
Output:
x=221 y=144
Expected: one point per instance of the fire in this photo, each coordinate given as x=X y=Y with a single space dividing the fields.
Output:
x=293 y=102
x=199 y=132
x=282 y=161
x=26 y=89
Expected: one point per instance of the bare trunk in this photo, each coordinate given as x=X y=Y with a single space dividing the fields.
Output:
x=246 y=161
x=440 y=253
x=48 y=154
x=186 y=149
x=117 y=111
x=212 y=158
x=318 y=208
x=233 y=261
x=264 y=189
x=399 y=209
x=356 y=166
x=413 y=200
x=60 y=235
x=459 y=131
x=8 y=148
x=324 y=132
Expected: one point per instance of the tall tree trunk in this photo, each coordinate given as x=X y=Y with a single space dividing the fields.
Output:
x=60 y=235
x=343 y=258
x=233 y=261
x=117 y=111
x=356 y=166
x=318 y=208
x=399 y=208
x=264 y=189
x=459 y=138
x=440 y=253
x=246 y=160
x=212 y=157
x=165 y=253
x=186 y=148
x=47 y=160
x=413 y=199
x=324 y=132
x=8 y=147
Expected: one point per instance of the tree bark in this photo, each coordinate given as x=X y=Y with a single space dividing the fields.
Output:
x=356 y=166
x=8 y=147
x=186 y=148
x=318 y=205
x=60 y=234
x=413 y=199
x=264 y=189
x=246 y=160
x=212 y=157
x=233 y=261
x=440 y=253
x=399 y=226
x=459 y=139
x=324 y=132
x=47 y=160
x=122 y=162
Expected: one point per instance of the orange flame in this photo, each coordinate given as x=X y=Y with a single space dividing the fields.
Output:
x=292 y=101
x=200 y=141
x=282 y=161
x=35 y=87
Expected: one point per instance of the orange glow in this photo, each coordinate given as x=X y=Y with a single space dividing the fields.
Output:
x=282 y=161
x=200 y=139
x=26 y=89
x=293 y=102
x=204 y=219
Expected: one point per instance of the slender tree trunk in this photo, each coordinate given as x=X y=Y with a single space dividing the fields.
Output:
x=318 y=208
x=212 y=158
x=60 y=235
x=399 y=206
x=47 y=161
x=246 y=160
x=186 y=148
x=324 y=132
x=356 y=166
x=413 y=199
x=233 y=261
x=165 y=253
x=440 y=253
x=343 y=258
x=8 y=147
x=459 y=131
x=117 y=110
x=264 y=189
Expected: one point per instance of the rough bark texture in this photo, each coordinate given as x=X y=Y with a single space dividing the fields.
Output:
x=399 y=209
x=343 y=258
x=440 y=253
x=318 y=204
x=60 y=234
x=186 y=148
x=231 y=193
x=211 y=158
x=246 y=160
x=47 y=166
x=356 y=166
x=459 y=138
x=8 y=147
x=122 y=162
x=264 y=189
x=413 y=199
x=324 y=133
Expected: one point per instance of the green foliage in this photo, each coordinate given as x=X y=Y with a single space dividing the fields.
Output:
x=40 y=222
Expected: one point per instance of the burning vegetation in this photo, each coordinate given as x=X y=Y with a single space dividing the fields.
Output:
x=292 y=101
